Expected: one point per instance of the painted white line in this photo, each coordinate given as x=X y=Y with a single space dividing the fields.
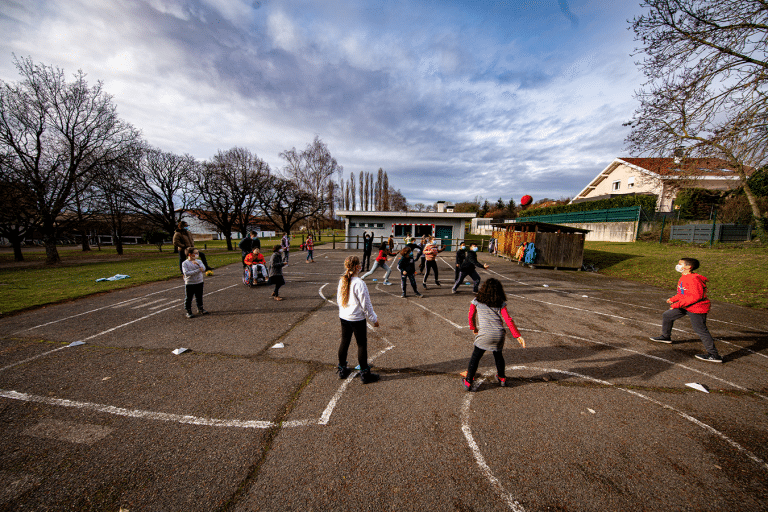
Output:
x=97 y=309
x=657 y=358
x=415 y=303
x=174 y=302
x=148 y=303
x=107 y=331
x=507 y=497
x=134 y=413
x=466 y=429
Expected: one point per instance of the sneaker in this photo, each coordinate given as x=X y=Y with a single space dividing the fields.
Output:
x=366 y=377
x=202 y=311
x=343 y=372
x=419 y=294
x=661 y=339
x=710 y=358
x=454 y=292
x=424 y=284
x=190 y=315
x=403 y=296
x=437 y=283
x=502 y=381
x=467 y=384
x=387 y=283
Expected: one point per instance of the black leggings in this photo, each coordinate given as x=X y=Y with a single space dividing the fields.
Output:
x=359 y=328
x=431 y=265
x=183 y=256
x=474 y=361
x=196 y=291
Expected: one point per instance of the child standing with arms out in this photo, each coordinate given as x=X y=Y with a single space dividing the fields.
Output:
x=691 y=300
x=486 y=312
x=354 y=306
x=194 y=275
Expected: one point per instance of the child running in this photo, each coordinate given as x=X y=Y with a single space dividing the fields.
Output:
x=381 y=261
x=490 y=306
x=354 y=306
x=276 y=265
x=691 y=300
x=194 y=275
x=430 y=253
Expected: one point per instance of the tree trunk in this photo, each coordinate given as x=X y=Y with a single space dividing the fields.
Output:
x=759 y=220
x=84 y=240
x=17 y=255
x=51 y=253
x=118 y=244
x=228 y=236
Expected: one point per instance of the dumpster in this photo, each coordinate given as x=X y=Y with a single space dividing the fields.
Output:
x=556 y=246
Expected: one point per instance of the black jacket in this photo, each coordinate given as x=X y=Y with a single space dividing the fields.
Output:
x=461 y=255
x=470 y=261
x=407 y=264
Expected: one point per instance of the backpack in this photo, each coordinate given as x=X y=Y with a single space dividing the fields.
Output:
x=530 y=254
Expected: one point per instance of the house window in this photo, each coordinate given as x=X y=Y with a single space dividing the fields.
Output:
x=353 y=224
x=631 y=182
x=616 y=185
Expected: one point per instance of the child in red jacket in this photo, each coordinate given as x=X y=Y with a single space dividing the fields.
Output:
x=691 y=300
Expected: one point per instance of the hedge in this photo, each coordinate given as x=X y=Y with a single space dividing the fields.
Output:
x=647 y=202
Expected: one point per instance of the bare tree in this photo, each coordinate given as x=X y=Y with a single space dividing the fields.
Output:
x=19 y=215
x=367 y=192
x=162 y=187
x=112 y=187
x=284 y=204
x=362 y=191
x=351 y=188
x=707 y=79
x=228 y=189
x=59 y=132
x=398 y=203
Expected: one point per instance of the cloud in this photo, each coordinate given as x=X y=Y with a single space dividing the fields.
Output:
x=465 y=99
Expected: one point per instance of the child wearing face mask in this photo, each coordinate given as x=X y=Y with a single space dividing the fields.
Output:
x=276 y=264
x=467 y=269
x=691 y=300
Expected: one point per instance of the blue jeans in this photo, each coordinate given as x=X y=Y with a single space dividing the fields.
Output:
x=403 y=283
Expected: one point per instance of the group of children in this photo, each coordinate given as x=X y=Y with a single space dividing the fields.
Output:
x=488 y=314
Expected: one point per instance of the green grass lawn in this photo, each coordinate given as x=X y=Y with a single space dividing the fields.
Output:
x=738 y=273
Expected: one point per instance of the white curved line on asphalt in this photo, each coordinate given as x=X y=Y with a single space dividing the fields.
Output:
x=508 y=498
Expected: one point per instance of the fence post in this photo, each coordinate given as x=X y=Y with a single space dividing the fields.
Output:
x=712 y=234
x=334 y=240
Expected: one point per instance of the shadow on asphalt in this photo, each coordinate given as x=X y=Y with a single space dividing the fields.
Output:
x=604 y=259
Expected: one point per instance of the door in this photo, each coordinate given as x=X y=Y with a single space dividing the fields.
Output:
x=445 y=233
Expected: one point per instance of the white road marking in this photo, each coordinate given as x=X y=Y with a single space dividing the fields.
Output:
x=106 y=331
x=174 y=302
x=415 y=303
x=125 y=302
x=135 y=413
x=148 y=303
x=511 y=502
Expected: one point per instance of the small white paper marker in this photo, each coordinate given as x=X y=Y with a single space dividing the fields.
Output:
x=180 y=350
x=697 y=386
x=278 y=345
x=76 y=344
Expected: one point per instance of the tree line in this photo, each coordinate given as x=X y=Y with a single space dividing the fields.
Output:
x=67 y=157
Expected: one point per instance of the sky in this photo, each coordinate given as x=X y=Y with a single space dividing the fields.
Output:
x=455 y=100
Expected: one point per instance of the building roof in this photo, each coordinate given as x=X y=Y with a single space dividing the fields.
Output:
x=668 y=169
x=540 y=227
x=400 y=215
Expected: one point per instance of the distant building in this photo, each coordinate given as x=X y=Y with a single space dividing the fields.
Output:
x=448 y=226
x=663 y=177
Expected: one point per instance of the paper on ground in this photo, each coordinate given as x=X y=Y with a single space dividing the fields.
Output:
x=697 y=386
x=180 y=350
x=278 y=345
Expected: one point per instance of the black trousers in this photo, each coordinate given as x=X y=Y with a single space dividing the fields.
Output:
x=359 y=329
x=468 y=272
x=431 y=265
x=193 y=290
x=698 y=322
x=366 y=263
x=474 y=361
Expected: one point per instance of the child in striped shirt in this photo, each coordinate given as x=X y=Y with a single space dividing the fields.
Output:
x=486 y=312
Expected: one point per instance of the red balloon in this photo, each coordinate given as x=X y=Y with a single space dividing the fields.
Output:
x=526 y=200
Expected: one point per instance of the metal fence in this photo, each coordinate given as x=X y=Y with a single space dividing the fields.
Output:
x=704 y=233
x=630 y=213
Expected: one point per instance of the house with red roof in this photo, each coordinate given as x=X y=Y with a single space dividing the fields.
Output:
x=663 y=177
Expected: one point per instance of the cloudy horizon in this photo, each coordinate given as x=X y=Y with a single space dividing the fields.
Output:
x=453 y=99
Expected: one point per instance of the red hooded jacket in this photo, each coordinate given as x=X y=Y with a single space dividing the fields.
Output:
x=692 y=288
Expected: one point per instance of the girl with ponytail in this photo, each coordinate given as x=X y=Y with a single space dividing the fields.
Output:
x=354 y=306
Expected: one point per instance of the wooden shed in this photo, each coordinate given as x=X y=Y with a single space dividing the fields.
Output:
x=556 y=246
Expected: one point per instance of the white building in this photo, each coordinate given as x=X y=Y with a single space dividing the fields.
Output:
x=447 y=226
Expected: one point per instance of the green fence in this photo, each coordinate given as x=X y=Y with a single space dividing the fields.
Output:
x=630 y=213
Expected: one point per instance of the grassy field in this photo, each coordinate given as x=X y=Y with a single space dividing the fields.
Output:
x=738 y=273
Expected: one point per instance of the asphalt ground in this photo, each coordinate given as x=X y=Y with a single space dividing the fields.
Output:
x=596 y=416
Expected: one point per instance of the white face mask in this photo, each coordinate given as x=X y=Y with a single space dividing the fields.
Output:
x=474 y=249
x=462 y=247
x=679 y=268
